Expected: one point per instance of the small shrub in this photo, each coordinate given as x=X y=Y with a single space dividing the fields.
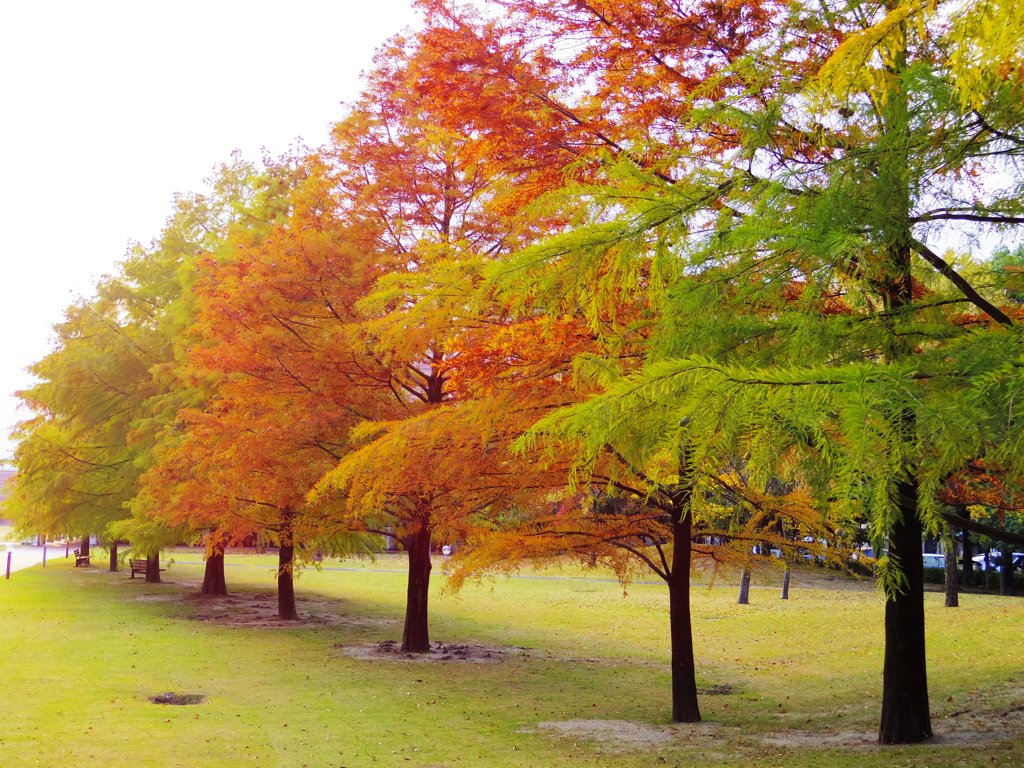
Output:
x=976 y=578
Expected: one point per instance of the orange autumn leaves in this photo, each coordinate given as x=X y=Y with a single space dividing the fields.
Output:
x=353 y=297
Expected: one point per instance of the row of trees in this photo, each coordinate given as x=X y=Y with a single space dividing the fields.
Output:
x=634 y=281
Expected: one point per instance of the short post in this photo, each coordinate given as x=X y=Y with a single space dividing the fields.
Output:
x=44 y=555
x=9 y=553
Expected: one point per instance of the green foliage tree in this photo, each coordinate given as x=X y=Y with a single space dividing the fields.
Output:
x=806 y=324
x=108 y=385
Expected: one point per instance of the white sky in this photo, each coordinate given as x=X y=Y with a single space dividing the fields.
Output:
x=108 y=108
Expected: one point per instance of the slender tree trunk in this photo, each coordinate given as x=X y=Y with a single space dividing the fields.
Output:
x=952 y=575
x=286 y=581
x=1006 y=569
x=744 y=598
x=416 y=635
x=968 y=556
x=785 y=583
x=113 y=556
x=153 y=569
x=685 y=708
x=213 y=580
x=83 y=548
x=905 y=715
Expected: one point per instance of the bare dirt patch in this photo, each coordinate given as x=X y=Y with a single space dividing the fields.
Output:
x=389 y=650
x=260 y=611
x=822 y=740
x=960 y=729
x=624 y=735
x=157 y=598
x=257 y=610
x=178 y=699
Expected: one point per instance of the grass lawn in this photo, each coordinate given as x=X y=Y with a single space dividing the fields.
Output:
x=577 y=674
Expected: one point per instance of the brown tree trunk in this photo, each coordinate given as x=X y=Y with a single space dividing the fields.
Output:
x=744 y=598
x=213 y=580
x=905 y=715
x=416 y=635
x=968 y=556
x=153 y=569
x=785 y=584
x=685 y=708
x=113 y=556
x=286 y=581
x=1006 y=569
x=952 y=575
x=83 y=548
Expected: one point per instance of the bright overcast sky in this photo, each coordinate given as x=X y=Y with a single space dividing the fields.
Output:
x=108 y=108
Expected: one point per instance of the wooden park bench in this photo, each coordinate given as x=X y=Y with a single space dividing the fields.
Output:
x=81 y=559
x=139 y=566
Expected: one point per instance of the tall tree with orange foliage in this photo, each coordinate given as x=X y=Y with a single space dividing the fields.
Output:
x=447 y=472
x=438 y=202
x=273 y=337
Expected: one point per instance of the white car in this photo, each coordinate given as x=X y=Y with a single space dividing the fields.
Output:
x=982 y=563
x=934 y=561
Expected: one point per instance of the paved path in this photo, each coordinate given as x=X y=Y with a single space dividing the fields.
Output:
x=25 y=556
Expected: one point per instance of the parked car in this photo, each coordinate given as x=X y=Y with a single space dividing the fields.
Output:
x=932 y=560
x=981 y=562
x=810 y=540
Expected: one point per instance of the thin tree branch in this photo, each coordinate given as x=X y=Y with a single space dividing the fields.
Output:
x=944 y=269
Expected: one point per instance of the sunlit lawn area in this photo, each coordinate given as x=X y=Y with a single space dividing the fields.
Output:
x=796 y=683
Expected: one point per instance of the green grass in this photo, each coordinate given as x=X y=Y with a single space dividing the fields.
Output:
x=84 y=649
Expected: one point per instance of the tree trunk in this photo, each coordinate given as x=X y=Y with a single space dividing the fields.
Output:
x=785 y=584
x=685 y=708
x=744 y=598
x=83 y=548
x=113 y=556
x=1006 y=569
x=213 y=580
x=968 y=556
x=285 y=581
x=905 y=715
x=153 y=569
x=952 y=575
x=416 y=636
